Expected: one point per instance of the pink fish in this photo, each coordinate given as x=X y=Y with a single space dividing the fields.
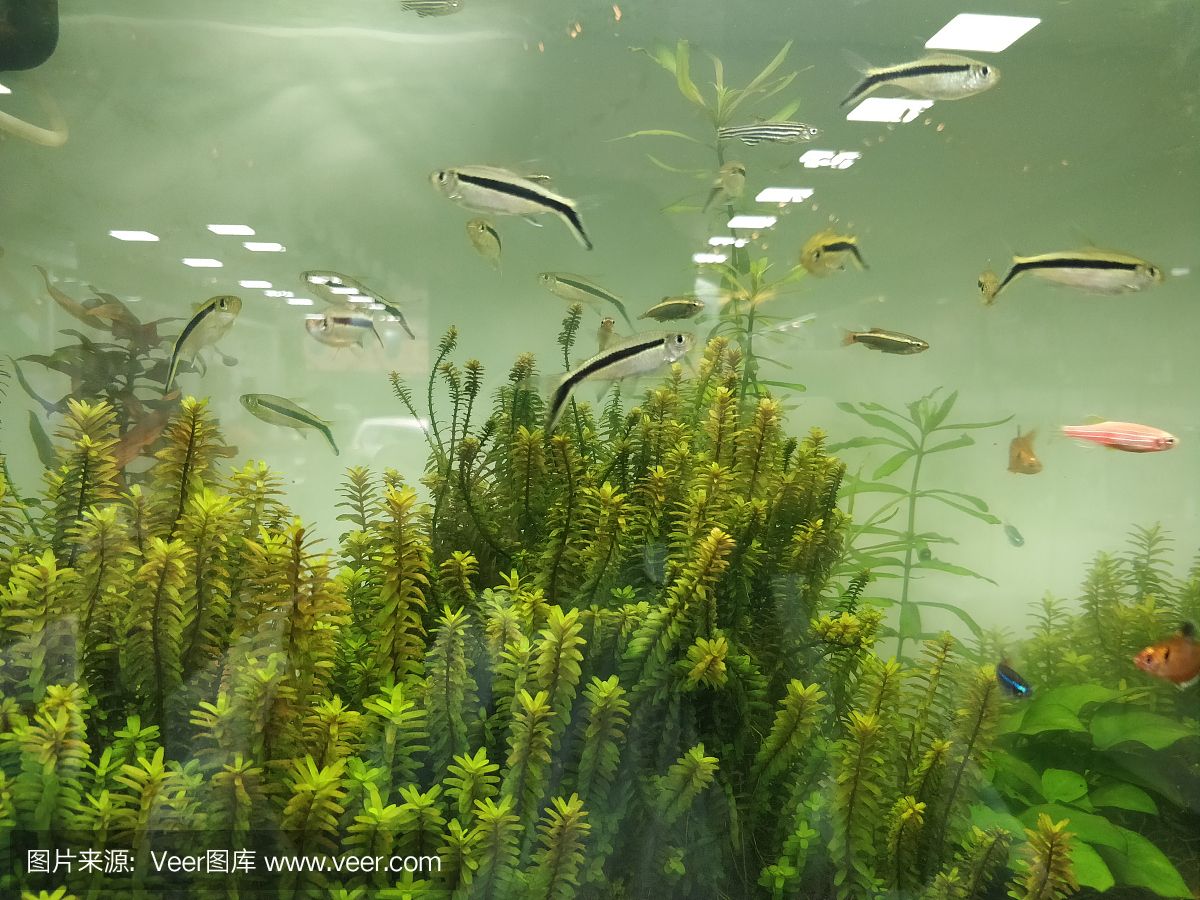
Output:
x=1126 y=436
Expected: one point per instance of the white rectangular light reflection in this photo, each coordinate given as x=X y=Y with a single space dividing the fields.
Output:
x=263 y=246
x=888 y=109
x=280 y=293
x=783 y=195
x=134 y=235
x=202 y=263
x=752 y=221
x=231 y=229
x=343 y=289
x=709 y=257
x=971 y=31
x=727 y=241
x=4 y=90
x=360 y=298
x=299 y=301
x=255 y=284
x=829 y=159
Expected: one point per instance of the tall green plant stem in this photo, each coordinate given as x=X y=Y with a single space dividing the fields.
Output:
x=908 y=550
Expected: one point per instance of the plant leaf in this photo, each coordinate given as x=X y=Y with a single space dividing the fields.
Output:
x=950 y=569
x=1113 y=725
x=669 y=168
x=660 y=132
x=972 y=510
x=910 y=620
x=1041 y=715
x=1123 y=795
x=1086 y=826
x=1063 y=785
x=42 y=443
x=893 y=463
x=962 y=441
x=967 y=426
x=788 y=385
x=661 y=55
x=786 y=113
x=1090 y=869
x=938 y=416
x=683 y=77
x=1142 y=864
x=879 y=422
x=864 y=441
x=958 y=611
x=769 y=69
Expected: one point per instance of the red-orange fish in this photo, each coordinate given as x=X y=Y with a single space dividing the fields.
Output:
x=1177 y=659
x=1128 y=436
x=1021 y=458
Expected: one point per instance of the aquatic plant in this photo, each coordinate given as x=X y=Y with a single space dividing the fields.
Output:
x=915 y=435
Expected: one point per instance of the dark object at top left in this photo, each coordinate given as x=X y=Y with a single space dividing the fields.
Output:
x=28 y=33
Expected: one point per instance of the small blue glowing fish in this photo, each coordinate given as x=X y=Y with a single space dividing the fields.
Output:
x=1011 y=681
x=1014 y=536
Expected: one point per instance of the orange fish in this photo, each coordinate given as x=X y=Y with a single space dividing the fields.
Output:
x=1177 y=659
x=1021 y=458
x=148 y=429
x=1127 y=436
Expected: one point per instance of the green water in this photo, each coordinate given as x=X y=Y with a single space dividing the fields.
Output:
x=318 y=125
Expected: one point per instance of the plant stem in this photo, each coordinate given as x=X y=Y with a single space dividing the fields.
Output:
x=908 y=551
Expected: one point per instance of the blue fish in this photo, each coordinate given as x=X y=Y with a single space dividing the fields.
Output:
x=1012 y=682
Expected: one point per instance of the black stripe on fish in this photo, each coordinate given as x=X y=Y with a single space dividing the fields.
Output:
x=516 y=190
x=885 y=75
x=573 y=379
x=846 y=247
x=597 y=292
x=311 y=420
x=190 y=327
x=1066 y=262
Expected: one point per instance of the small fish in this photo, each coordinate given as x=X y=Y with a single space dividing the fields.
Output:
x=1127 y=436
x=943 y=76
x=606 y=334
x=144 y=433
x=924 y=554
x=1095 y=271
x=486 y=240
x=1021 y=458
x=1176 y=659
x=1012 y=682
x=425 y=8
x=637 y=355
x=770 y=132
x=342 y=329
x=211 y=322
x=488 y=189
x=887 y=341
x=280 y=411
x=1014 y=536
x=674 y=308
x=344 y=291
x=827 y=251
x=575 y=289
x=71 y=306
x=730 y=183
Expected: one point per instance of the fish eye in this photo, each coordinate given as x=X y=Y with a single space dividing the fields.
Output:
x=679 y=339
x=222 y=304
x=983 y=70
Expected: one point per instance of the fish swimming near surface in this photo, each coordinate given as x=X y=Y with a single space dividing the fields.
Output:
x=342 y=329
x=606 y=334
x=1128 y=436
x=670 y=308
x=1014 y=536
x=828 y=251
x=346 y=292
x=486 y=240
x=1021 y=458
x=730 y=183
x=577 y=289
x=1011 y=681
x=211 y=322
x=1176 y=659
x=277 y=410
x=940 y=76
x=770 y=132
x=637 y=355
x=489 y=189
x=1094 y=271
x=886 y=341
x=424 y=8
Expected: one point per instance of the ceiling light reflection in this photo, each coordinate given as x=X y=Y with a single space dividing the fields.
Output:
x=829 y=159
x=783 y=195
x=231 y=229
x=973 y=31
x=299 y=301
x=264 y=246
x=201 y=263
x=709 y=258
x=255 y=284
x=888 y=109
x=147 y=236
x=752 y=221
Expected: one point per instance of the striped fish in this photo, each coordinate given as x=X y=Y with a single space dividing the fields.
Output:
x=886 y=341
x=576 y=289
x=1094 y=271
x=342 y=329
x=425 y=8
x=210 y=323
x=344 y=291
x=943 y=76
x=674 y=308
x=637 y=355
x=276 y=410
x=770 y=132
x=489 y=189
x=1012 y=682
x=1127 y=436
x=827 y=251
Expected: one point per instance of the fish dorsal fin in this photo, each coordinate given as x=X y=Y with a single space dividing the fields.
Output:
x=1094 y=420
x=858 y=63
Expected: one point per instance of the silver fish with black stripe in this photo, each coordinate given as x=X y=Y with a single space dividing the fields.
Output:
x=425 y=8
x=489 y=189
x=941 y=76
x=276 y=410
x=338 y=329
x=344 y=291
x=577 y=289
x=211 y=322
x=770 y=132
x=1094 y=271
x=637 y=355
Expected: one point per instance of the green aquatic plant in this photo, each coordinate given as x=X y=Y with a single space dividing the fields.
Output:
x=919 y=432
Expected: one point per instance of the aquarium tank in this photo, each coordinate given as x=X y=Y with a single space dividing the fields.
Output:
x=496 y=450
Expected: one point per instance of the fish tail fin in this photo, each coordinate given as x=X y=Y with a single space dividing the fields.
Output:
x=624 y=315
x=849 y=337
x=989 y=287
x=558 y=402
x=712 y=195
x=375 y=331
x=862 y=264
x=325 y=430
x=571 y=215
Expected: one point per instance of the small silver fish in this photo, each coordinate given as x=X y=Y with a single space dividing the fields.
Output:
x=730 y=184
x=486 y=240
x=1094 y=271
x=489 y=189
x=886 y=341
x=770 y=132
x=827 y=251
x=346 y=292
x=637 y=355
x=606 y=334
x=342 y=329
x=425 y=8
x=941 y=76
x=674 y=308
x=211 y=322
x=276 y=410
x=576 y=289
